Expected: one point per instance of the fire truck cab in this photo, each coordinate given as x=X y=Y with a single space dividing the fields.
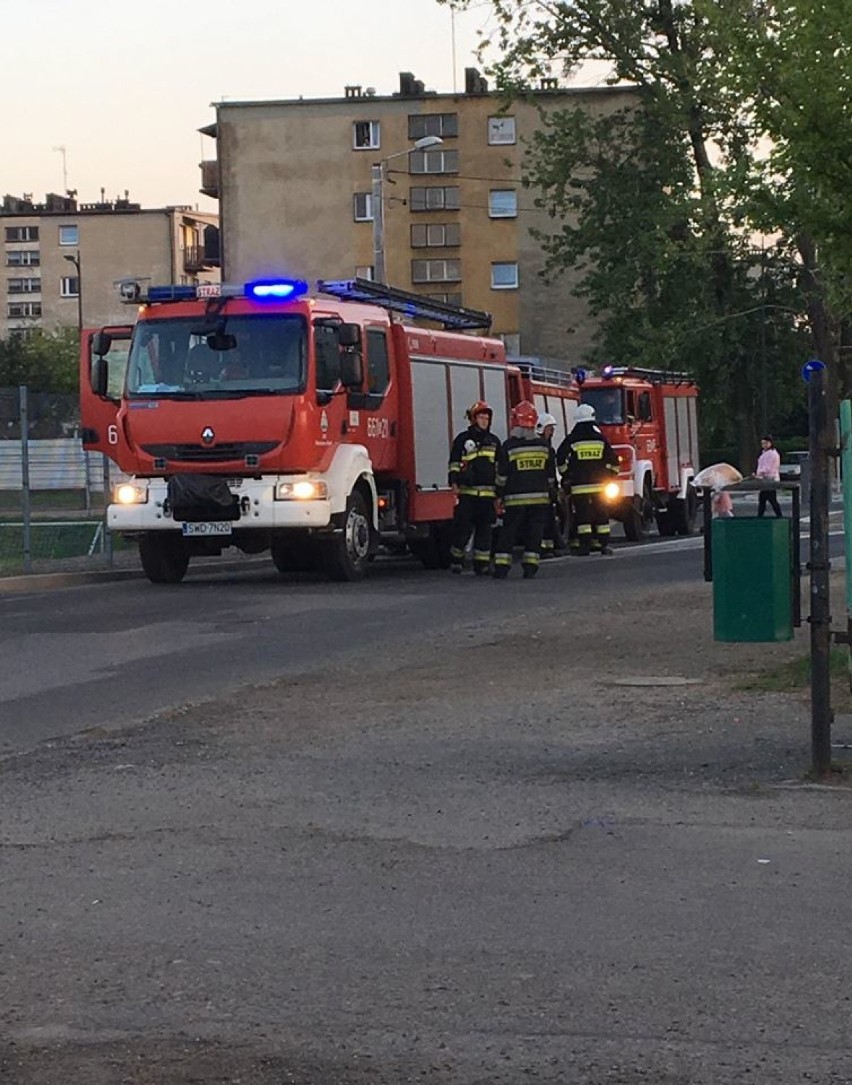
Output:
x=649 y=417
x=316 y=427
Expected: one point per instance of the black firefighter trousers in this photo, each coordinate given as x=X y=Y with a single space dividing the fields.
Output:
x=523 y=524
x=476 y=516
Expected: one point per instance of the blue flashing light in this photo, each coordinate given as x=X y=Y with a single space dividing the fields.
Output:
x=580 y=375
x=276 y=289
x=607 y=371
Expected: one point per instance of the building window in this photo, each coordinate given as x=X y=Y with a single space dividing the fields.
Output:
x=503 y=203
x=23 y=286
x=450 y=299
x=363 y=206
x=69 y=235
x=21 y=233
x=22 y=258
x=433 y=162
x=69 y=287
x=365 y=271
x=435 y=235
x=435 y=271
x=443 y=198
x=504 y=276
x=23 y=308
x=378 y=365
x=501 y=130
x=445 y=125
x=366 y=135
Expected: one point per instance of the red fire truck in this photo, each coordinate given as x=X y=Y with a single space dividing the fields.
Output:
x=649 y=417
x=317 y=427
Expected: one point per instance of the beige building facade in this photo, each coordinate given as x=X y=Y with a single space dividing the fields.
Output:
x=294 y=180
x=62 y=260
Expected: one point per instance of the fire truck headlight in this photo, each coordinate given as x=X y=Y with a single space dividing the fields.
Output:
x=611 y=491
x=303 y=490
x=130 y=494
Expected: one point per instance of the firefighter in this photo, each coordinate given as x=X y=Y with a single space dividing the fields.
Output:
x=545 y=428
x=473 y=467
x=586 y=462
x=523 y=492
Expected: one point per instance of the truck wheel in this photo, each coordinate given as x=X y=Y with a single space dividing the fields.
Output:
x=294 y=555
x=665 y=522
x=164 y=557
x=683 y=512
x=434 y=552
x=638 y=515
x=346 y=556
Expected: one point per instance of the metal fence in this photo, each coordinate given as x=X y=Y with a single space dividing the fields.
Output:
x=52 y=492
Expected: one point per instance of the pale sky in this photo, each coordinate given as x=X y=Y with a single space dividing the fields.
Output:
x=123 y=86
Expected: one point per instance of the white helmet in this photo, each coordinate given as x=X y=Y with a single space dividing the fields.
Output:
x=585 y=413
x=544 y=419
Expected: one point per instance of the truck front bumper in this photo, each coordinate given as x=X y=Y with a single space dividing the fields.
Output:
x=260 y=510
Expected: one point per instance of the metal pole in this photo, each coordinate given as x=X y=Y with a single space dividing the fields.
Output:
x=378 y=223
x=846 y=479
x=819 y=566
x=26 y=514
x=107 y=538
x=79 y=296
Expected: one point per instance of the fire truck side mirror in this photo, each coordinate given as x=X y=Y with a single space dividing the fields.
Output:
x=101 y=342
x=99 y=376
x=351 y=369
x=349 y=335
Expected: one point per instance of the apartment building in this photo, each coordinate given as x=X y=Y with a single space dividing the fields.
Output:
x=61 y=260
x=294 y=180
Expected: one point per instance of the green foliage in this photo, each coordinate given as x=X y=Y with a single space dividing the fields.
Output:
x=44 y=362
x=659 y=205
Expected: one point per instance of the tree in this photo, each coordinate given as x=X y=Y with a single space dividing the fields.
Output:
x=658 y=204
x=45 y=362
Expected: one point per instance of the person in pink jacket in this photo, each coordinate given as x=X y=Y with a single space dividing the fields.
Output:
x=769 y=468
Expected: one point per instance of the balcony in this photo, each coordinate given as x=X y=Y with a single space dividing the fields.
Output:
x=196 y=258
x=210 y=178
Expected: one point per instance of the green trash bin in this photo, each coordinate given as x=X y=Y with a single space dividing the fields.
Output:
x=752 y=581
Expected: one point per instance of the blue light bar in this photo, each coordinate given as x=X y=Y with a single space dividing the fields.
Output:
x=276 y=289
x=173 y=292
x=608 y=371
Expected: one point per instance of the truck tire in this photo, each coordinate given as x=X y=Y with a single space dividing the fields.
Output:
x=346 y=556
x=665 y=522
x=434 y=552
x=639 y=514
x=164 y=557
x=683 y=512
x=295 y=555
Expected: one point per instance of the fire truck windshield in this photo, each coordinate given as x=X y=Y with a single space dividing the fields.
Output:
x=245 y=355
x=608 y=404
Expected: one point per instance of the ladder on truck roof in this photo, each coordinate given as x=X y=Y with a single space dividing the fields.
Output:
x=402 y=301
x=531 y=369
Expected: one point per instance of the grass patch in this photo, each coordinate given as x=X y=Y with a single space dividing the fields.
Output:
x=795 y=675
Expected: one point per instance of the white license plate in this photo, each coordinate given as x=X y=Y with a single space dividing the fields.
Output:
x=209 y=527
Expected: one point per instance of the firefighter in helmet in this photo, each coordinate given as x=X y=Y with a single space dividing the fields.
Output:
x=586 y=463
x=545 y=427
x=472 y=472
x=523 y=492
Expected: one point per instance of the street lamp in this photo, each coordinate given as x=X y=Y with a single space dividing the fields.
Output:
x=378 y=175
x=75 y=260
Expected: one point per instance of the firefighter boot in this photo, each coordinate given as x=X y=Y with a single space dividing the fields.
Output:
x=530 y=571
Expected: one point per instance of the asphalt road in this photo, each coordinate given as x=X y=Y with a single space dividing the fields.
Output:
x=111 y=654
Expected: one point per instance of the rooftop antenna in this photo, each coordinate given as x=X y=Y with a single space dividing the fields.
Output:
x=62 y=150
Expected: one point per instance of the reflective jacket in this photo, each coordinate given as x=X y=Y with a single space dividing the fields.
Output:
x=473 y=462
x=523 y=472
x=585 y=460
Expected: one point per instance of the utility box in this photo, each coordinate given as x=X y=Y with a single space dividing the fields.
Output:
x=753 y=579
